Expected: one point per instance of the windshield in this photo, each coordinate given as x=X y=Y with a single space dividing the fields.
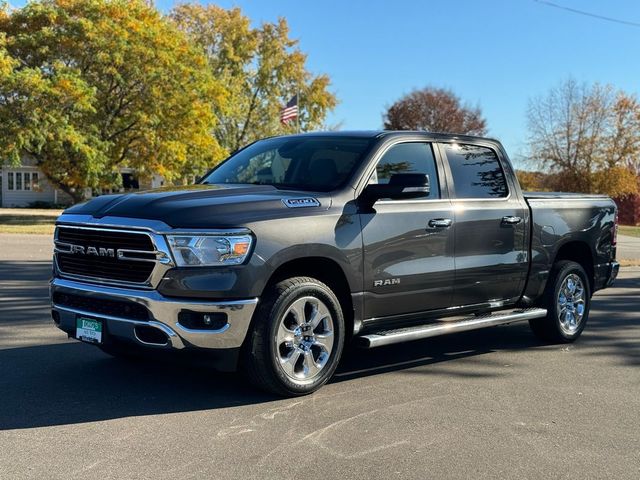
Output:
x=309 y=163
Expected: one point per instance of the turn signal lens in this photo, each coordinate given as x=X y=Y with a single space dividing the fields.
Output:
x=241 y=248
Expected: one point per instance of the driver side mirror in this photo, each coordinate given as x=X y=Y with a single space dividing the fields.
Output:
x=401 y=186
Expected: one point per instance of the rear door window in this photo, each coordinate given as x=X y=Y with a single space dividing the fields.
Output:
x=476 y=171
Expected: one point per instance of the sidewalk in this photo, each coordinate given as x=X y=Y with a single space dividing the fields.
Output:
x=628 y=247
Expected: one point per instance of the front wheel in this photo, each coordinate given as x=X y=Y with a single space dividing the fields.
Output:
x=567 y=299
x=297 y=338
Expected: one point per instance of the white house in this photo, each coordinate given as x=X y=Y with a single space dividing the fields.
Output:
x=26 y=184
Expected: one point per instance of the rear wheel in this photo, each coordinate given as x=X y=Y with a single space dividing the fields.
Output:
x=567 y=299
x=297 y=338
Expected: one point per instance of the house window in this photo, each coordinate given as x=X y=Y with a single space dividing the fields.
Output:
x=23 y=181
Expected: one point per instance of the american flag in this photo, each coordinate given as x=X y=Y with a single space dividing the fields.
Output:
x=290 y=111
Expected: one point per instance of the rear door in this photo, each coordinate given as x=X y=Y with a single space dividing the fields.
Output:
x=490 y=226
x=408 y=244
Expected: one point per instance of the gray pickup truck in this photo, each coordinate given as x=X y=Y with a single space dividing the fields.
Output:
x=297 y=246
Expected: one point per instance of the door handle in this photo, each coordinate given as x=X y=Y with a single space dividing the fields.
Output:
x=440 y=223
x=510 y=220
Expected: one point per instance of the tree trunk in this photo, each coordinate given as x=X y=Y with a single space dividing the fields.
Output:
x=77 y=195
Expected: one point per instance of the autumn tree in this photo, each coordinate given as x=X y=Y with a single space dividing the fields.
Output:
x=434 y=110
x=261 y=69
x=89 y=86
x=588 y=137
x=532 y=181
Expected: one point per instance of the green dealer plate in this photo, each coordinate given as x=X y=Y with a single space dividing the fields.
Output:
x=89 y=329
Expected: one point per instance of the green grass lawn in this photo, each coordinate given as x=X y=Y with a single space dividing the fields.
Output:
x=629 y=230
x=28 y=221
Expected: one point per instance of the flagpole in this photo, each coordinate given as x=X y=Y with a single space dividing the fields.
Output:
x=299 y=110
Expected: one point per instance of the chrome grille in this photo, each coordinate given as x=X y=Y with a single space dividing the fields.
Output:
x=106 y=238
x=105 y=254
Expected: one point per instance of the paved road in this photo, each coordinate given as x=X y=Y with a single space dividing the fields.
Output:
x=17 y=247
x=487 y=404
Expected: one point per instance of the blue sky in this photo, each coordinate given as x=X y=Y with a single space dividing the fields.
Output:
x=494 y=53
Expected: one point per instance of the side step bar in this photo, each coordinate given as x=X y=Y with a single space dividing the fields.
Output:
x=388 y=337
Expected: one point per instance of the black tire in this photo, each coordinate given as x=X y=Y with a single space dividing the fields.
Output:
x=262 y=358
x=550 y=328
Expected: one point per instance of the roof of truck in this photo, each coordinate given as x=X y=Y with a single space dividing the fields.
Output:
x=385 y=133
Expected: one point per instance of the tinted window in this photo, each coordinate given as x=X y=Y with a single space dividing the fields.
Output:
x=408 y=158
x=307 y=163
x=476 y=172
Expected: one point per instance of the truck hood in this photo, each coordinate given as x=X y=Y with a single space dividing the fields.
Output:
x=205 y=206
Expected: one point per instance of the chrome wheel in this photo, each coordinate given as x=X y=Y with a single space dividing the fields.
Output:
x=304 y=339
x=571 y=303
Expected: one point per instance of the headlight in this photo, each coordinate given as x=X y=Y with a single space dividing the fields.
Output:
x=203 y=250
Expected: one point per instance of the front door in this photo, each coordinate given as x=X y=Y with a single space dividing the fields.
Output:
x=408 y=244
x=490 y=228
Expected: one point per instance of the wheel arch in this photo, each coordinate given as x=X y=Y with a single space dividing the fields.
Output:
x=581 y=253
x=325 y=269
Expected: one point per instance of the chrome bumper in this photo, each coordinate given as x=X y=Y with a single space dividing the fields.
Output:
x=613 y=273
x=163 y=313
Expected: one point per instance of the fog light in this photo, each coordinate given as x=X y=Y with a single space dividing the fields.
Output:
x=202 y=320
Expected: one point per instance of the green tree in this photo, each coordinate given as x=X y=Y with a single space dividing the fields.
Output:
x=89 y=86
x=261 y=68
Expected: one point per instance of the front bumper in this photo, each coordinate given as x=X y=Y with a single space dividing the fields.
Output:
x=163 y=316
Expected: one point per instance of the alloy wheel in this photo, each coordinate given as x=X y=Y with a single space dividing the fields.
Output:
x=304 y=339
x=571 y=303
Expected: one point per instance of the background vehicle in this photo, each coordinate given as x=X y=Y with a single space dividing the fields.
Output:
x=297 y=245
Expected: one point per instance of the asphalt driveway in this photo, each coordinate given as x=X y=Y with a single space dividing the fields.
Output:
x=488 y=404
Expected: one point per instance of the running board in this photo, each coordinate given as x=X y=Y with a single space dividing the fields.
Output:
x=388 y=337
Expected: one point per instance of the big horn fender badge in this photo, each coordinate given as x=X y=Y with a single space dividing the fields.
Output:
x=301 y=202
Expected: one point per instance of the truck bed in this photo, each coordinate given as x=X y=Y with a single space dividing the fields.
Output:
x=562 y=195
x=570 y=221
